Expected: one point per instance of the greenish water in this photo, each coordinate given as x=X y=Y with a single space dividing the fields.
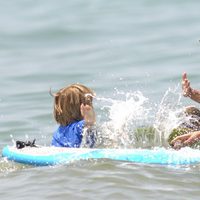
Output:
x=117 y=48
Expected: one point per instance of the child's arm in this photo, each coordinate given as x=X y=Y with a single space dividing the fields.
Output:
x=188 y=91
x=186 y=139
x=88 y=114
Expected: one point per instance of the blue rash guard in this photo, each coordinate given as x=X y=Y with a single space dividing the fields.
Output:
x=71 y=135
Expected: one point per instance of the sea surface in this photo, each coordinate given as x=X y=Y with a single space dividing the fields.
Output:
x=132 y=54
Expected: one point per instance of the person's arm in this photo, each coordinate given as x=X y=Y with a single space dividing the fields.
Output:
x=186 y=140
x=88 y=114
x=188 y=91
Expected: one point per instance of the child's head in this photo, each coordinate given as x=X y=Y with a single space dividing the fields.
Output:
x=192 y=111
x=67 y=102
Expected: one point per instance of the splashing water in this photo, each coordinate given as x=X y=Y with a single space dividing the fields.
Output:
x=130 y=119
x=124 y=116
x=169 y=114
x=123 y=113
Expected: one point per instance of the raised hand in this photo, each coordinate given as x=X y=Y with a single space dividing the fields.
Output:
x=88 y=114
x=187 y=90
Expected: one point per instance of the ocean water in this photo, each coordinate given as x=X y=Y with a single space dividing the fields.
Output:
x=132 y=54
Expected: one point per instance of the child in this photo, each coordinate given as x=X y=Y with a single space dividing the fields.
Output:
x=180 y=135
x=73 y=111
x=194 y=136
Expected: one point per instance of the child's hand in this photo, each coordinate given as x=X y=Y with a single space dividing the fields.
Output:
x=187 y=90
x=186 y=140
x=88 y=114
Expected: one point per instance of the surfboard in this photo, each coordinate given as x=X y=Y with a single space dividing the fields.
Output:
x=44 y=156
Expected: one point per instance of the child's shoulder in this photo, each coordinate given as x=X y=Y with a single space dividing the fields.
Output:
x=79 y=124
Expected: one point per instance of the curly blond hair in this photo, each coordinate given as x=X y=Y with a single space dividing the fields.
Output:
x=67 y=102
